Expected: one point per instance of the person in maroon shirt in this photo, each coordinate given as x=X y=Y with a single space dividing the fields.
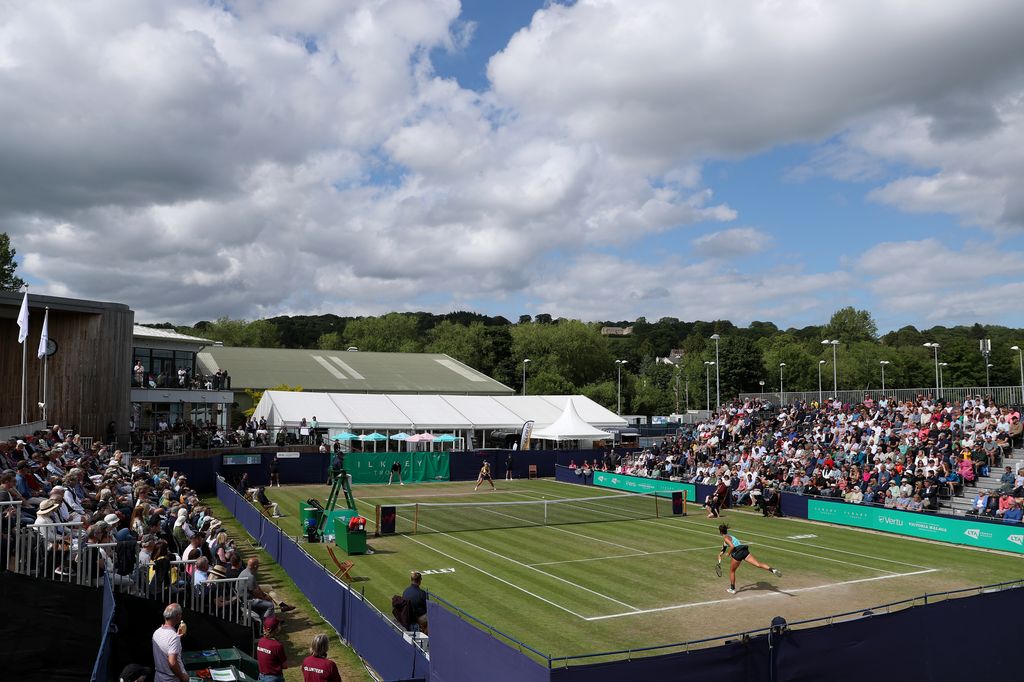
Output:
x=317 y=667
x=270 y=653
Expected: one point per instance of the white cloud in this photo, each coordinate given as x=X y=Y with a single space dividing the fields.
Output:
x=733 y=243
x=662 y=78
x=936 y=282
x=612 y=288
x=251 y=158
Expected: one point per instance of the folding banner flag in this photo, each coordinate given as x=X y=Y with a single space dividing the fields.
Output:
x=44 y=338
x=23 y=320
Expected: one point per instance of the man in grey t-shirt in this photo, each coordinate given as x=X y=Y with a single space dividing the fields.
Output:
x=167 y=647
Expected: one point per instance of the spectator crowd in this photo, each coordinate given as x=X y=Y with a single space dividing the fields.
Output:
x=78 y=512
x=913 y=455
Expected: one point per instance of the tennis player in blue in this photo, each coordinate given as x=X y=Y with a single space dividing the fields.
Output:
x=738 y=552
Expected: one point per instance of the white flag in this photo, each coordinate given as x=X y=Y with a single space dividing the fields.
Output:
x=23 y=320
x=44 y=339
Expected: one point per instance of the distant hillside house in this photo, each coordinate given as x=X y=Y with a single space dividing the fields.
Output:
x=616 y=331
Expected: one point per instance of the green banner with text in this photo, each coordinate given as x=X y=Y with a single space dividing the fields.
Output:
x=639 y=484
x=375 y=467
x=915 y=524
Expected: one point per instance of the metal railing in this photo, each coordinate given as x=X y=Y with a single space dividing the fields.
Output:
x=59 y=552
x=1002 y=395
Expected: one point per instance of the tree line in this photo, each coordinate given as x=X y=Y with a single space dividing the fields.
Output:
x=570 y=356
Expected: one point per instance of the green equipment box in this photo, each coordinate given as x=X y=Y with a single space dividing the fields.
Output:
x=221 y=658
x=352 y=541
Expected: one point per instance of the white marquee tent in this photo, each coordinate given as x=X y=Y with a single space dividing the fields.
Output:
x=570 y=426
x=356 y=412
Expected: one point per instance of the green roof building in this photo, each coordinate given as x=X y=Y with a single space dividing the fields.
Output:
x=347 y=371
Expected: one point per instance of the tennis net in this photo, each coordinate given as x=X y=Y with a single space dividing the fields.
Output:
x=440 y=517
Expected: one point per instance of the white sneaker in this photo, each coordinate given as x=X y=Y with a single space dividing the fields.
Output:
x=731 y=590
x=401 y=483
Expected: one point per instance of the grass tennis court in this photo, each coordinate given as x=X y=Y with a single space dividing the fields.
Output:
x=611 y=584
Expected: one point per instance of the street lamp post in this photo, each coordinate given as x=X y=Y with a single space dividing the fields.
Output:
x=525 y=362
x=883 y=363
x=782 y=394
x=707 y=382
x=762 y=388
x=985 y=346
x=718 y=385
x=935 y=347
x=835 y=374
x=618 y=390
x=1020 y=356
x=941 y=380
x=820 y=363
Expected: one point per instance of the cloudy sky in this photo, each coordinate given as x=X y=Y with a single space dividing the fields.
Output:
x=601 y=159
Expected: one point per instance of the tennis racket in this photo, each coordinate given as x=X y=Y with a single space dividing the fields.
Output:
x=718 y=569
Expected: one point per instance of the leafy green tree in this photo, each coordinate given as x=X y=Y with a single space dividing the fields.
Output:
x=549 y=382
x=572 y=349
x=850 y=324
x=601 y=392
x=256 y=334
x=742 y=367
x=256 y=396
x=331 y=341
x=394 y=332
x=9 y=281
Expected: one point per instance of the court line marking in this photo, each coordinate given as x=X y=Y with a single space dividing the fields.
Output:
x=639 y=552
x=708 y=531
x=807 y=544
x=550 y=575
x=491 y=575
x=636 y=611
x=624 y=556
x=758 y=596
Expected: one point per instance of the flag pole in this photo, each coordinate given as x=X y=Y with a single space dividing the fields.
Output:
x=46 y=356
x=24 y=355
x=24 y=352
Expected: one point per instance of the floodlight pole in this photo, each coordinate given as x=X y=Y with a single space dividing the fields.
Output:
x=618 y=388
x=938 y=387
x=525 y=361
x=718 y=385
x=707 y=382
x=1020 y=356
x=820 y=363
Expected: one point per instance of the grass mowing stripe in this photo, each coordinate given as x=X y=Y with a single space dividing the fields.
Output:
x=800 y=543
x=518 y=563
x=624 y=556
x=550 y=575
x=672 y=524
x=563 y=530
x=781 y=549
x=732 y=600
x=494 y=577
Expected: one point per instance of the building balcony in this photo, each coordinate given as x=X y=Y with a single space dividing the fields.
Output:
x=181 y=395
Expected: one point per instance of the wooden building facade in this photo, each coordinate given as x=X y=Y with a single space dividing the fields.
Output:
x=88 y=376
